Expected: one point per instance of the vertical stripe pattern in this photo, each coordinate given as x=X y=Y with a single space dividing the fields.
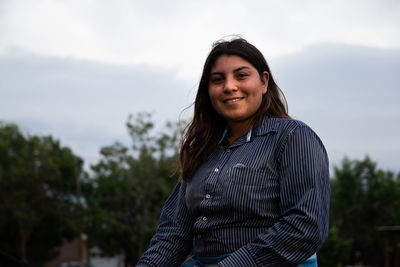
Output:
x=265 y=199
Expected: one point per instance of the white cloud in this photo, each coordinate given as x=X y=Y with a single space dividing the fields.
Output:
x=179 y=33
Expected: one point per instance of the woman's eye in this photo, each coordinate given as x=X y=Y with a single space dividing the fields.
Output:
x=242 y=75
x=216 y=80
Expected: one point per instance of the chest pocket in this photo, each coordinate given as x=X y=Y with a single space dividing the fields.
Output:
x=250 y=190
x=242 y=175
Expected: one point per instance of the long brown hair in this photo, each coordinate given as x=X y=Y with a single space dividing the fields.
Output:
x=203 y=132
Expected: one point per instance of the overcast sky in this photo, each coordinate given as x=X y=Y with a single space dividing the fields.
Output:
x=76 y=69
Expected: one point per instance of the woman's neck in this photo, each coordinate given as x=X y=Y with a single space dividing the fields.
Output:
x=238 y=129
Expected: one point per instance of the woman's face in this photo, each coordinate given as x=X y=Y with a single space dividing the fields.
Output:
x=236 y=89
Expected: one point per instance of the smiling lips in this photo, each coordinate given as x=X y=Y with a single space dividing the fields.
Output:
x=232 y=100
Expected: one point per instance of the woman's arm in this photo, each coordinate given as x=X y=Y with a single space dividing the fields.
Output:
x=173 y=240
x=304 y=206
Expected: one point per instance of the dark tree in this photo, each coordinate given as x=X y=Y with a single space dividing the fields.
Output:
x=129 y=187
x=38 y=208
x=362 y=199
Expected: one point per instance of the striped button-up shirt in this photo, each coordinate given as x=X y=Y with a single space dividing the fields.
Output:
x=265 y=199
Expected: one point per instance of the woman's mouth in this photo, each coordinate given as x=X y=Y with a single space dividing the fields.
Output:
x=232 y=100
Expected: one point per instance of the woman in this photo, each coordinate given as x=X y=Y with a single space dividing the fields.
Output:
x=255 y=183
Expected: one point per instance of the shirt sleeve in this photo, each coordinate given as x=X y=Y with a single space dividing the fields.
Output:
x=173 y=239
x=304 y=206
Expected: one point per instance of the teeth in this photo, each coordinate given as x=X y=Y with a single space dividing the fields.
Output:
x=232 y=100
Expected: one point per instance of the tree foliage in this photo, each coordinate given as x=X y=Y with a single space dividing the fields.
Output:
x=37 y=195
x=129 y=187
x=362 y=199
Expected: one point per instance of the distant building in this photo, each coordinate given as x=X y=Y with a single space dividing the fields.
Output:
x=69 y=256
x=96 y=260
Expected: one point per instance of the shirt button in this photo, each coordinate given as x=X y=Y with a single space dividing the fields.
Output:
x=228 y=150
x=198 y=236
x=216 y=170
x=208 y=196
x=204 y=218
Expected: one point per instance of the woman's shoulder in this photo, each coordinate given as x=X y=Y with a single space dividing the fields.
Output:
x=281 y=124
x=294 y=131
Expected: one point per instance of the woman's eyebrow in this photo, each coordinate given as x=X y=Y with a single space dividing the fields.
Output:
x=216 y=73
x=240 y=68
x=235 y=70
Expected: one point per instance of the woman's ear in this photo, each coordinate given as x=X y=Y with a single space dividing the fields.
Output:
x=264 y=82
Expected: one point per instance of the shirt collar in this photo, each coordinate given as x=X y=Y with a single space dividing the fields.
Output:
x=268 y=124
x=223 y=136
x=249 y=136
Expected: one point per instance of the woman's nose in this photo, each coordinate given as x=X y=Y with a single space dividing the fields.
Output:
x=230 y=85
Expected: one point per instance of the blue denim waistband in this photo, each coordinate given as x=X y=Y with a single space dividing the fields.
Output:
x=213 y=261
x=204 y=261
x=310 y=262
